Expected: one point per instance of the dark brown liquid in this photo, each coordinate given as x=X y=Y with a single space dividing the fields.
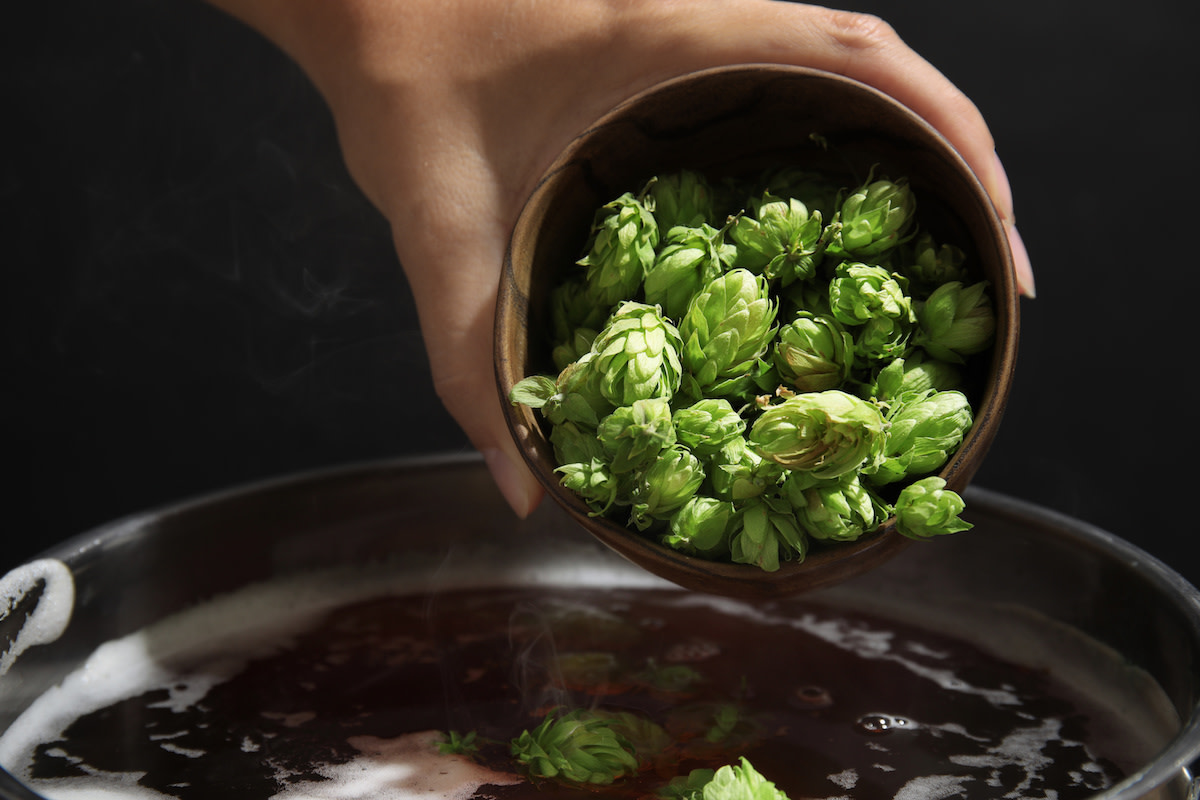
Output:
x=828 y=703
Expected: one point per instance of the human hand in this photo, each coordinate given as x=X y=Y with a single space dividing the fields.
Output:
x=448 y=113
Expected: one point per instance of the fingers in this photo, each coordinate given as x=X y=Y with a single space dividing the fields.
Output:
x=859 y=46
x=867 y=49
x=451 y=258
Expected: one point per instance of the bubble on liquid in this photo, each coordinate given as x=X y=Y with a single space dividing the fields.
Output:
x=877 y=724
x=811 y=698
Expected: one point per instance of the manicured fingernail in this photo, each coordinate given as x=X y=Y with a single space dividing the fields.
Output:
x=1021 y=263
x=511 y=479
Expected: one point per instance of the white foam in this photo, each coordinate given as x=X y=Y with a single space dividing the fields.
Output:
x=934 y=787
x=405 y=768
x=863 y=642
x=49 y=617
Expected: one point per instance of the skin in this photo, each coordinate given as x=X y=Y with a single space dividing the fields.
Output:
x=448 y=111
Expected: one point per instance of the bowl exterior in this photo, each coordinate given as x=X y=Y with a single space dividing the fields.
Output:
x=724 y=122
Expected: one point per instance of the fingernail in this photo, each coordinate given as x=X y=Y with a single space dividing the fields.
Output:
x=1004 y=202
x=1021 y=263
x=511 y=479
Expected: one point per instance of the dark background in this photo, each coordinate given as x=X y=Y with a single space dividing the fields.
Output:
x=196 y=296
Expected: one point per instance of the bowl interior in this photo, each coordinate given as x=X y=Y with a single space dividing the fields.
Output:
x=727 y=122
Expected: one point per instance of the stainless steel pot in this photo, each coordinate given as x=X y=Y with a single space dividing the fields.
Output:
x=1025 y=580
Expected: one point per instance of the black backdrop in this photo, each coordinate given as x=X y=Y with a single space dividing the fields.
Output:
x=196 y=296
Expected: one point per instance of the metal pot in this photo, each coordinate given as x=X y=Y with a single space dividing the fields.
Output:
x=1025 y=580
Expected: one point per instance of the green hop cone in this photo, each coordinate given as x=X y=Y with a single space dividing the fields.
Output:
x=932 y=264
x=688 y=787
x=636 y=355
x=839 y=510
x=682 y=198
x=634 y=435
x=577 y=395
x=574 y=444
x=573 y=348
x=817 y=190
x=765 y=533
x=621 y=249
x=923 y=431
x=780 y=239
x=571 y=308
x=738 y=473
x=813 y=353
x=926 y=509
x=728 y=326
x=577 y=747
x=882 y=339
x=956 y=321
x=708 y=425
x=914 y=374
x=826 y=433
x=740 y=782
x=674 y=477
x=647 y=739
x=689 y=259
x=573 y=396
x=700 y=527
x=861 y=292
x=593 y=481
x=873 y=219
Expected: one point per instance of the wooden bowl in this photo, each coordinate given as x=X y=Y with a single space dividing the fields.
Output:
x=721 y=122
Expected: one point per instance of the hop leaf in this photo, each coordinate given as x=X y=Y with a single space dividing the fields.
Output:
x=926 y=509
x=636 y=355
x=623 y=239
x=826 y=433
x=576 y=747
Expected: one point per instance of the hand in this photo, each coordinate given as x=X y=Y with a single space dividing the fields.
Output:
x=448 y=112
